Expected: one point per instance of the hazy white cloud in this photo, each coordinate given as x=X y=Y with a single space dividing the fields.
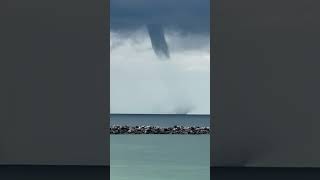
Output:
x=141 y=83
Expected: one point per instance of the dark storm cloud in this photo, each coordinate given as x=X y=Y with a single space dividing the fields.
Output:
x=185 y=17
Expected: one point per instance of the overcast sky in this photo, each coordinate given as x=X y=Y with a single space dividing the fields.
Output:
x=143 y=81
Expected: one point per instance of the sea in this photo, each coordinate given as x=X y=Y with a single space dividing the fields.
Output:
x=160 y=157
x=161 y=120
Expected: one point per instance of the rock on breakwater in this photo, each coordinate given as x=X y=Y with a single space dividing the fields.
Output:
x=116 y=129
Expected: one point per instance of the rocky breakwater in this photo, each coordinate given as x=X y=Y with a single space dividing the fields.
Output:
x=158 y=130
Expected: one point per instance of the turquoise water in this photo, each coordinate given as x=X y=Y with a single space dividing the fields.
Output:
x=160 y=157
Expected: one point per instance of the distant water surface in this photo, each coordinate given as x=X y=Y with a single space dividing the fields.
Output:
x=162 y=120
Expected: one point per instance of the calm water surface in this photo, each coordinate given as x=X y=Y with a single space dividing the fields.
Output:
x=160 y=157
x=160 y=119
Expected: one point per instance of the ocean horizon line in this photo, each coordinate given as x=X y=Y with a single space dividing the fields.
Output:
x=170 y=114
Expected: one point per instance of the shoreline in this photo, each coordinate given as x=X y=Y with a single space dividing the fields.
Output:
x=193 y=130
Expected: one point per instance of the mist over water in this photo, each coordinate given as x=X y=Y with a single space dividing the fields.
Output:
x=176 y=89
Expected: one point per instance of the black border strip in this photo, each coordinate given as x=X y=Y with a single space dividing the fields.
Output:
x=51 y=172
x=267 y=173
x=108 y=78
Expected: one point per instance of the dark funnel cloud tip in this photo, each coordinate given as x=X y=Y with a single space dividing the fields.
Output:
x=158 y=41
